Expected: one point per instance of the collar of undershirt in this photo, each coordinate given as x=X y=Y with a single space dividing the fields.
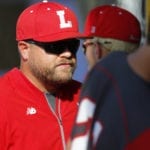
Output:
x=51 y=100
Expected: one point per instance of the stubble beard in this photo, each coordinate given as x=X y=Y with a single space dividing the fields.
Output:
x=52 y=76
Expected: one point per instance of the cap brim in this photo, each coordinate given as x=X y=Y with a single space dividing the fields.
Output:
x=60 y=36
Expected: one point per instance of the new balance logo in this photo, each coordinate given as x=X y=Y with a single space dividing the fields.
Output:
x=31 y=111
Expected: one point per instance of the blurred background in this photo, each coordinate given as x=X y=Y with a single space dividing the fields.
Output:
x=10 y=9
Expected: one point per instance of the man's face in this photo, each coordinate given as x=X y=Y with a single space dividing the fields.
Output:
x=53 y=63
x=91 y=51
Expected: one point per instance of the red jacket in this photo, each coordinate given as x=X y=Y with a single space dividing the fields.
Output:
x=27 y=121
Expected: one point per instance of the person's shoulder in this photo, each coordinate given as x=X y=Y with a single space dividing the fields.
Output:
x=4 y=77
x=6 y=80
x=108 y=65
x=114 y=56
x=113 y=59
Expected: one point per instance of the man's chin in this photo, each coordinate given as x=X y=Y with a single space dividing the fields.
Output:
x=65 y=80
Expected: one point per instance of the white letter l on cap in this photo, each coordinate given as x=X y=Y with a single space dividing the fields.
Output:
x=63 y=23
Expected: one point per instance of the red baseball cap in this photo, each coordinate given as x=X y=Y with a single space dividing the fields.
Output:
x=110 y=21
x=47 y=22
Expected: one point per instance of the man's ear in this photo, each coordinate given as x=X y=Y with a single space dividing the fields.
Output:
x=23 y=48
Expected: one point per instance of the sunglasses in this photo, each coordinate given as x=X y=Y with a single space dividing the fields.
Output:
x=58 y=47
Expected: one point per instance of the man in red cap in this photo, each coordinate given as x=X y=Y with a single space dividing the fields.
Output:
x=115 y=100
x=39 y=99
x=110 y=28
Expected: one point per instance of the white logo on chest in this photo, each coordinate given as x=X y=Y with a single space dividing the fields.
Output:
x=31 y=111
